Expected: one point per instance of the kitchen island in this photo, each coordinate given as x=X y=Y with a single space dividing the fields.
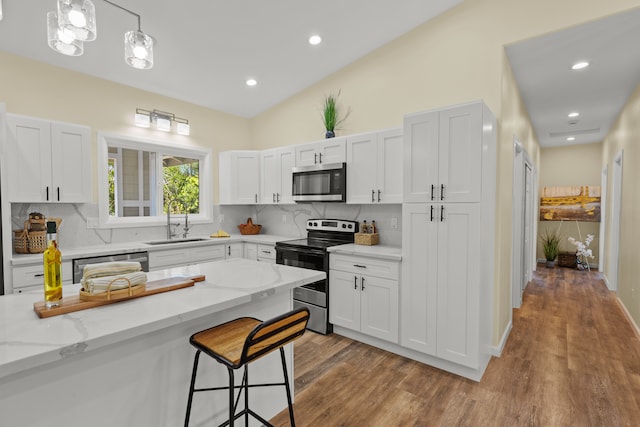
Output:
x=128 y=363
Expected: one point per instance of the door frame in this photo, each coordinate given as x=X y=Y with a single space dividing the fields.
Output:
x=604 y=179
x=616 y=211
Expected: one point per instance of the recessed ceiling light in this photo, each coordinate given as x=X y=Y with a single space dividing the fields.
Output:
x=574 y=114
x=251 y=82
x=571 y=138
x=315 y=40
x=580 y=65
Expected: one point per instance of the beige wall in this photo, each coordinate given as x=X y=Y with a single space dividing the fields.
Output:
x=39 y=90
x=457 y=57
x=625 y=136
x=573 y=165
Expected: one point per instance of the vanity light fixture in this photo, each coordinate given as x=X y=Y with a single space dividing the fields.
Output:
x=75 y=23
x=162 y=119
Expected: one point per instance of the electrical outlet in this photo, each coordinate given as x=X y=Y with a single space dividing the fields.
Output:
x=394 y=222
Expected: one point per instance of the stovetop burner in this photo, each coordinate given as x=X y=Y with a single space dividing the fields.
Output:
x=322 y=233
x=312 y=243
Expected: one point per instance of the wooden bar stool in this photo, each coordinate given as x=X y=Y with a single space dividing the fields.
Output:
x=239 y=342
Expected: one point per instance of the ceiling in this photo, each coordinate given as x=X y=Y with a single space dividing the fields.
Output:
x=206 y=49
x=551 y=90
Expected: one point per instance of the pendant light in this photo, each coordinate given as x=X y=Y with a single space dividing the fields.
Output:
x=78 y=17
x=75 y=23
x=60 y=39
x=0 y=10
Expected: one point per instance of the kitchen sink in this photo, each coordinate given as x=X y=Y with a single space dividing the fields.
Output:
x=166 y=242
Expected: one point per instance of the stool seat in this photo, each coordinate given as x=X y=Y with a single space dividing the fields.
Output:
x=237 y=343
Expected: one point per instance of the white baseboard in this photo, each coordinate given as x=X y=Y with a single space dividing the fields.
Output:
x=497 y=351
x=632 y=322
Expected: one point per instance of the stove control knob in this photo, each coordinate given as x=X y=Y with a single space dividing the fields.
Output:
x=310 y=224
x=344 y=225
x=315 y=224
x=350 y=225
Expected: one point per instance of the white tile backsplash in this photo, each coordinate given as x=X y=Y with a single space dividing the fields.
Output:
x=283 y=220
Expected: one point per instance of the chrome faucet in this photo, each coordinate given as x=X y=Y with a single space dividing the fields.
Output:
x=185 y=229
x=170 y=233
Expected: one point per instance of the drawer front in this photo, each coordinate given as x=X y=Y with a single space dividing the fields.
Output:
x=266 y=252
x=364 y=265
x=31 y=275
x=160 y=259
x=208 y=253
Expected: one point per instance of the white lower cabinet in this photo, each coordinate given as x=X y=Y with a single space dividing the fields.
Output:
x=185 y=256
x=31 y=277
x=441 y=281
x=363 y=295
x=234 y=250
x=260 y=252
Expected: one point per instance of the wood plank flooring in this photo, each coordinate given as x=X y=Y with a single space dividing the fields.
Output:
x=572 y=359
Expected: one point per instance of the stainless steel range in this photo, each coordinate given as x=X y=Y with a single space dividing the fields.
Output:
x=312 y=253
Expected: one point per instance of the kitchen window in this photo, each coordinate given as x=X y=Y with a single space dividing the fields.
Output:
x=139 y=180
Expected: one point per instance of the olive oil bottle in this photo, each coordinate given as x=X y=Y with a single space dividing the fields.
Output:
x=52 y=269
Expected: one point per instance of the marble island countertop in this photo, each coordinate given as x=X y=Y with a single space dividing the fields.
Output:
x=121 y=248
x=27 y=341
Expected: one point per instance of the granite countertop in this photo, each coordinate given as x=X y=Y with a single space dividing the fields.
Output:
x=26 y=341
x=121 y=248
x=376 y=251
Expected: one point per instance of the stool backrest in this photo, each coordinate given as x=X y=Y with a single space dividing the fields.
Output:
x=274 y=333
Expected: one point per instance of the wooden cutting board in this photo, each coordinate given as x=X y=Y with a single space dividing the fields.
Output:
x=74 y=303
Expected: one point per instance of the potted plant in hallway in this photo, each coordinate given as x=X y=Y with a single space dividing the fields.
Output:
x=550 y=246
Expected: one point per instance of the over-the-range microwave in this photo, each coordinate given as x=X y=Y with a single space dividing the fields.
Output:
x=320 y=183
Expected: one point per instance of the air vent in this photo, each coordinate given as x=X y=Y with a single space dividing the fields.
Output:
x=573 y=132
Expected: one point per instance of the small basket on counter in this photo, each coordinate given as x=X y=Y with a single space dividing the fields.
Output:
x=367 y=239
x=33 y=238
x=249 y=227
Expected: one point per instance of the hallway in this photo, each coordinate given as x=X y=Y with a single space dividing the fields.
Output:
x=572 y=359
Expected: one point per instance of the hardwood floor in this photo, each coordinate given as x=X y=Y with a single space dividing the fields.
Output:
x=572 y=359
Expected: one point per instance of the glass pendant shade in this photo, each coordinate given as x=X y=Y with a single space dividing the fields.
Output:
x=138 y=49
x=79 y=17
x=60 y=39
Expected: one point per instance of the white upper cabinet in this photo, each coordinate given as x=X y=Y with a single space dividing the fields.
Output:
x=332 y=150
x=276 y=167
x=49 y=162
x=239 y=177
x=374 y=167
x=441 y=152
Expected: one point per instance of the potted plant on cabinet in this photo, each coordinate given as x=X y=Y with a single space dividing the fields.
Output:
x=330 y=114
x=550 y=246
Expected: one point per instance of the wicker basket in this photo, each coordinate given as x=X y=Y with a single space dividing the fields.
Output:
x=20 y=241
x=33 y=238
x=368 y=239
x=567 y=259
x=249 y=227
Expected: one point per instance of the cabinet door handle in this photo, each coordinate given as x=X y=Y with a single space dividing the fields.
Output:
x=359 y=266
x=373 y=195
x=58 y=193
x=315 y=158
x=441 y=213
x=320 y=158
x=432 y=213
x=229 y=250
x=441 y=191
x=362 y=283
x=273 y=197
x=47 y=193
x=433 y=190
x=266 y=252
x=38 y=275
x=355 y=282
x=277 y=197
x=378 y=196
x=256 y=197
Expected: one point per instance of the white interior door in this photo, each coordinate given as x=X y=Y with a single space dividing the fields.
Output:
x=528 y=221
x=517 y=270
x=616 y=208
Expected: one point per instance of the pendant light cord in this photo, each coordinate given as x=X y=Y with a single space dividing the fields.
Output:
x=126 y=10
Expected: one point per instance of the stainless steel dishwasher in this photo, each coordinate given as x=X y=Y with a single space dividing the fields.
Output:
x=79 y=263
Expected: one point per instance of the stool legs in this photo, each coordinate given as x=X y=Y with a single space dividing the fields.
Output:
x=233 y=403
